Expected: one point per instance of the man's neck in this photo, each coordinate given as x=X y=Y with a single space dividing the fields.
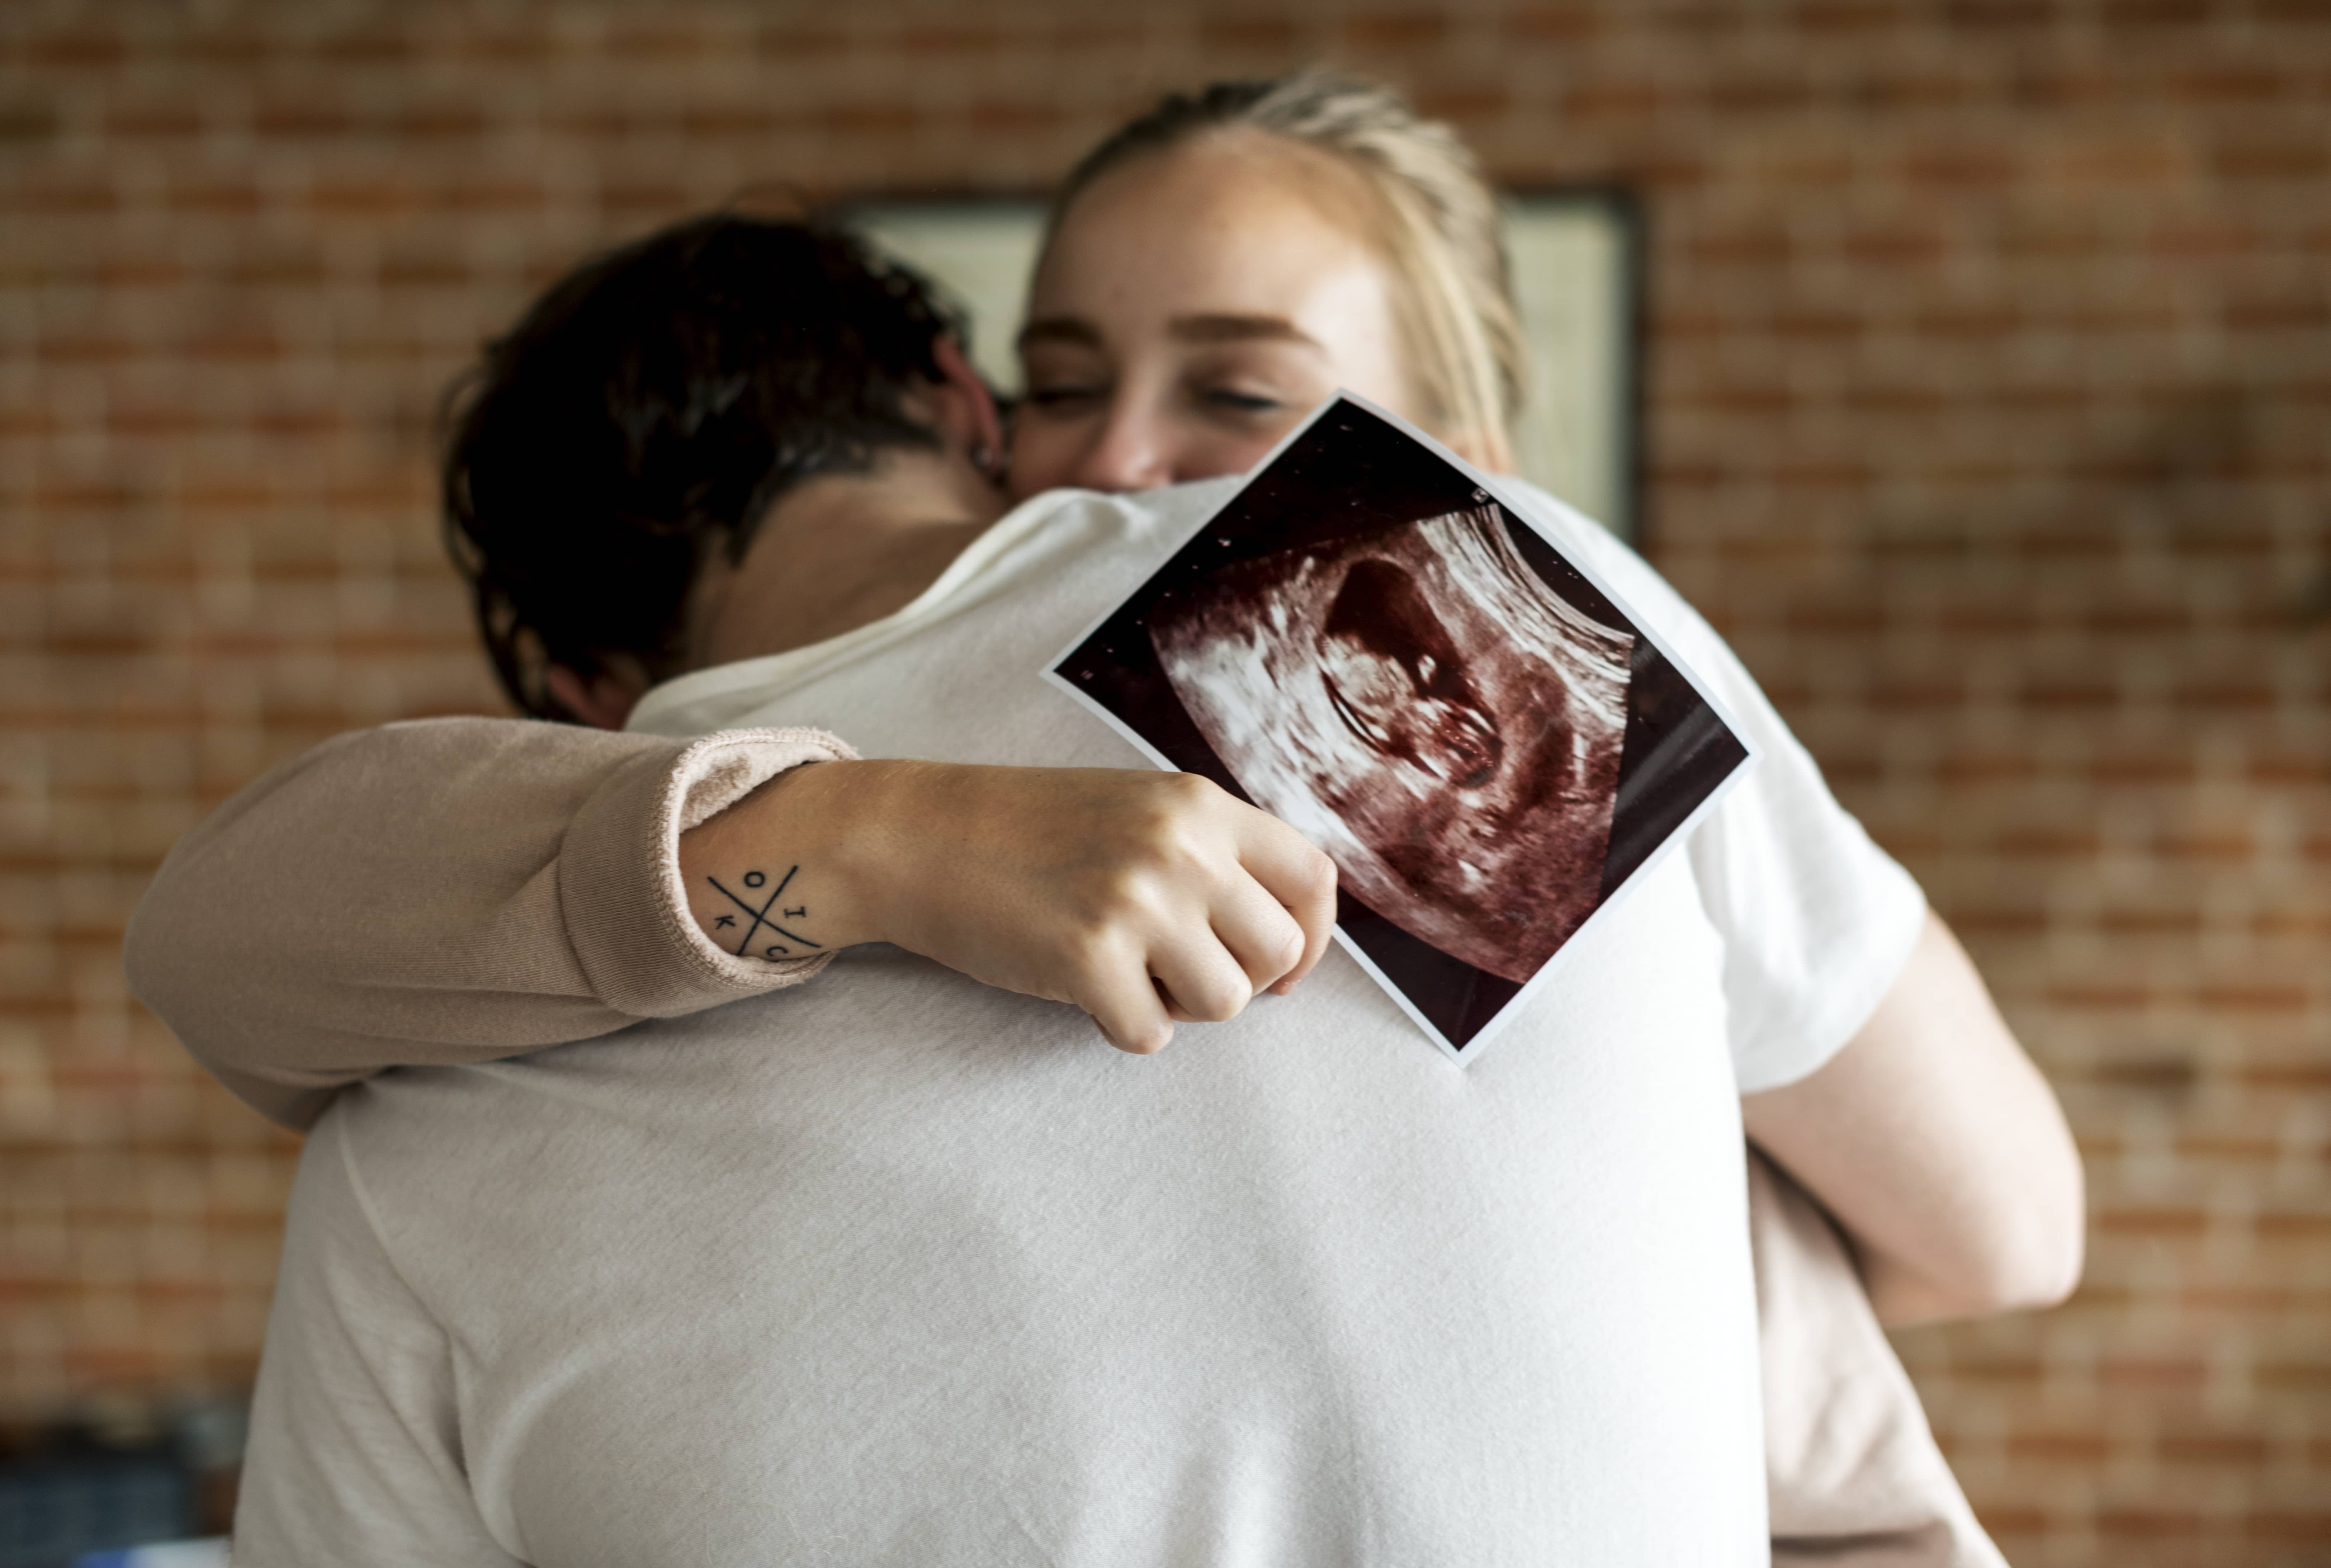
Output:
x=839 y=552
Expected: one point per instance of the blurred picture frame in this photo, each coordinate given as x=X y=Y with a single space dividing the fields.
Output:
x=1576 y=253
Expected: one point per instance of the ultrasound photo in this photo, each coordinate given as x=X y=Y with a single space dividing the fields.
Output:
x=1367 y=643
x=1421 y=706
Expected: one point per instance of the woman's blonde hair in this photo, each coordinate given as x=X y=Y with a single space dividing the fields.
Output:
x=1436 y=222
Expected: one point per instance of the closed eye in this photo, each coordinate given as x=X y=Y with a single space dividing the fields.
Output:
x=1060 y=396
x=1243 y=402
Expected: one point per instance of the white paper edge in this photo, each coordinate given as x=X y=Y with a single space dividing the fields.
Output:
x=1471 y=1052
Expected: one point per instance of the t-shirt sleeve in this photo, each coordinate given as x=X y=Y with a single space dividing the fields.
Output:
x=1817 y=920
x=356 y=1449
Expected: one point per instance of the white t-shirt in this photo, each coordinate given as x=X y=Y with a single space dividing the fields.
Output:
x=897 y=1269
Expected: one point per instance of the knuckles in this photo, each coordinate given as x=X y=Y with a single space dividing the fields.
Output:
x=1318 y=870
x=1175 y=809
x=1125 y=896
x=1093 y=952
x=1149 y=1044
x=1216 y=1004
x=1191 y=789
x=1159 y=863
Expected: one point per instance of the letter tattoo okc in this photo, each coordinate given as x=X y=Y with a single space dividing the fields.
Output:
x=761 y=916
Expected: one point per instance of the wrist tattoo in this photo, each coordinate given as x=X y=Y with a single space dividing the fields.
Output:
x=754 y=881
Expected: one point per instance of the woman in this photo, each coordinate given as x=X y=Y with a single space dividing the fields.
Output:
x=1216 y=268
x=1212 y=272
x=1219 y=266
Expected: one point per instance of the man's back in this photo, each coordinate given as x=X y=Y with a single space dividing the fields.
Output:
x=896 y=1267
x=964 y=1286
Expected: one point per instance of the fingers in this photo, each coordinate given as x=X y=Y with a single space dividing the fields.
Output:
x=1300 y=878
x=1126 y=1006
x=1189 y=973
x=1176 y=902
x=1202 y=982
x=1262 y=923
x=1261 y=936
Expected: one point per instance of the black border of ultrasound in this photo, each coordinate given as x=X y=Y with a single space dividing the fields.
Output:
x=1678 y=750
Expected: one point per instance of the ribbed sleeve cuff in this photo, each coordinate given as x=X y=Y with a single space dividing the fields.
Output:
x=619 y=887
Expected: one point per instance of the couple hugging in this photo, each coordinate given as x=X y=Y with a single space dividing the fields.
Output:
x=857 y=1246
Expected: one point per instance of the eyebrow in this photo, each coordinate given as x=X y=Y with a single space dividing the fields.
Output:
x=1237 y=328
x=1211 y=329
x=1060 y=329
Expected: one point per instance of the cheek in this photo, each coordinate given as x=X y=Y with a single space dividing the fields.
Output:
x=1210 y=454
x=1044 y=458
x=1134 y=445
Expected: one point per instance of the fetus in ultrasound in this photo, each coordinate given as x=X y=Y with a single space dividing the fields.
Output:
x=1427 y=709
x=1398 y=682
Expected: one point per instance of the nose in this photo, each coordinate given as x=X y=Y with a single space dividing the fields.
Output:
x=1129 y=453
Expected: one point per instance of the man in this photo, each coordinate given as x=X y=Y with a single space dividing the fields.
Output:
x=893 y=1267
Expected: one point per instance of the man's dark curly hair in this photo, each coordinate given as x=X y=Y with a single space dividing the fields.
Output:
x=650 y=408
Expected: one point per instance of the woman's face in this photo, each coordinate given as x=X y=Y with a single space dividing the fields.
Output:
x=1192 y=307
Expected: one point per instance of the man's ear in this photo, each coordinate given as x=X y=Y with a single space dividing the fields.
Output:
x=967 y=411
x=605 y=700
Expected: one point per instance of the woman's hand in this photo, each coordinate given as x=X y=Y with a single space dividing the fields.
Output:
x=1142 y=898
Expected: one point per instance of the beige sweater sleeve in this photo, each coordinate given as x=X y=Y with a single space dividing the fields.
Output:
x=1855 y=1477
x=449 y=890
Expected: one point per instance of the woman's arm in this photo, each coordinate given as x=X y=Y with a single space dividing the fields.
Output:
x=1873 y=1065
x=1142 y=898
x=465 y=889
x=452 y=890
x=1938 y=1147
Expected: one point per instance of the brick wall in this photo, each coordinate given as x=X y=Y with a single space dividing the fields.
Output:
x=1989 y=363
